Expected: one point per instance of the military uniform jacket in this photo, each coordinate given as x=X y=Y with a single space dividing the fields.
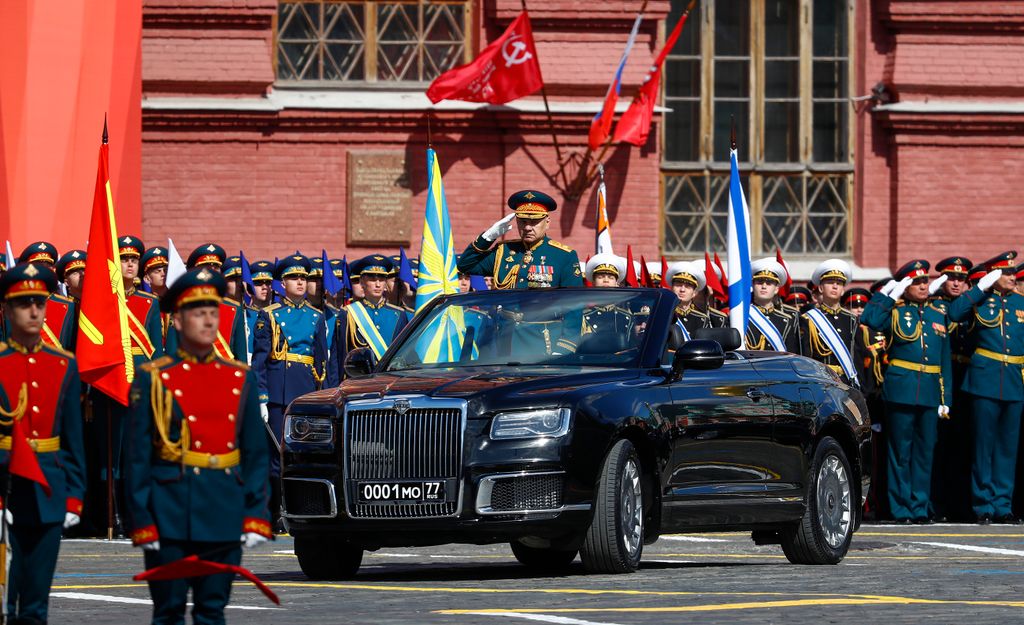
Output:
x=692 y=319
x=961 y=341
x=997 y=365
x=920 y=371
x=144 y=326
x=198 y=465
x=784 y=321
x=607 y=319
x=814 y=346
x=231 y=341
x=289 y=351
x=869 y=353
x=388 y=321
x=546 y=264
x=60 y=327
x=42 y=387
x=717 y=318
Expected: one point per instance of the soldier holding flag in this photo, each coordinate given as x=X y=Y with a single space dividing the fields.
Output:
x=41 y=451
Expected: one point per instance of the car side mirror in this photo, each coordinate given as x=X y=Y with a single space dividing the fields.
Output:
x=697 y=354
x=359 y=362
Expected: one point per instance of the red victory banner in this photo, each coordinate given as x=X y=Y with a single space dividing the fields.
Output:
x=506 y=70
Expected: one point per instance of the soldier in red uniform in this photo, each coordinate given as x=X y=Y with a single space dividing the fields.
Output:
x=60 y=328
x=39 y=398
x=198 y=464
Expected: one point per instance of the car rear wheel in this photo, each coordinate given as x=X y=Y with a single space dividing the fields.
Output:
x=542 y=559
x=824 y=533
x=615 y=540
x=326 y=558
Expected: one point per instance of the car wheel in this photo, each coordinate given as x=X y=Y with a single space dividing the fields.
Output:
x=615 y=539
x=824 y=533
x=542 y=559
x=325 y=558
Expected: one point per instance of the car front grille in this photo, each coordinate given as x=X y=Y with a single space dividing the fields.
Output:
x=424 y=443
x=308 y=498
x=541 y=492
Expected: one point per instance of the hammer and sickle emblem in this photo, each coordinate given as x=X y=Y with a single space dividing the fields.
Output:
x=514 y=51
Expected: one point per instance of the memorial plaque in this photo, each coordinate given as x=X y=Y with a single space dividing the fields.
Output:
x=379 y=198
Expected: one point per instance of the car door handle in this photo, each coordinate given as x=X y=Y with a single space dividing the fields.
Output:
x=755 y=394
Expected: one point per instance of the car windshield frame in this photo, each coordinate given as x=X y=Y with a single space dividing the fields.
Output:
x=661 y=301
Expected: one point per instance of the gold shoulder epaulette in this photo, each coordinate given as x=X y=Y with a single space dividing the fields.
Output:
x=273 y=306
x=848 y=314
x=393 y=307
x=560 y=246
x=3 y=345
x=58 y=351
x=715 y=311
x=147 y=295
x=156 y=365
x=63 y=299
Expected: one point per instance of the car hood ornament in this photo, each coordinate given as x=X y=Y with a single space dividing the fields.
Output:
x=402 y=406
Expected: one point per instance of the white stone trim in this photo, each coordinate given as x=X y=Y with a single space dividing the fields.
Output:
x=951 y=107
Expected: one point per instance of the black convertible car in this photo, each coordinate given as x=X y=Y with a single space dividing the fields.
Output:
x=571 y=421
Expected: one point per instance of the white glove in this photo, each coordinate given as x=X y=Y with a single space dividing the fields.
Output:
x=71 y=519
x=889 y=286
x=989 y=279
x=936 y=284
x=8 y=517
x=265 y=413
x=898 y=290
x=252 y=539
x=943 y=412
x=153 y=546
x=499 y=228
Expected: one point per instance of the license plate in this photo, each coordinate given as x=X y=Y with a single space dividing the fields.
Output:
x=404 y=492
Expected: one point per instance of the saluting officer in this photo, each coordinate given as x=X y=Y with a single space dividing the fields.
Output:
x=534 y=261
x=687 y=279
x=770 y=327
x=370 y=321
x=197 y=455
x=607 y=270
x=60 y=328
x=827 y=330
x=39 y=387
x=995 y=380
x=918 y=386
x=289 y=356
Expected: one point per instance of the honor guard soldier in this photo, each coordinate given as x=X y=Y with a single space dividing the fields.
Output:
x=918 y=386
x=1020 y=279
x=261 y=272
x=232 y=272
x=687 y=279
x=340 y=269
x=70 y=270
x=654 y=270
x=60 y=328
x=995 y=380
x=535 y=261
x=368 y=322
x=770 y=327
x=607 y=270
x=197 y=455
x=289 y=356
x=315 y=283
x=154 y=270
x=231 y=341
x=798 y=298
x=828 y=330
x=854 y=300
x=869 y=354
x=143 y=308
x=40 y=390
x=951 y=484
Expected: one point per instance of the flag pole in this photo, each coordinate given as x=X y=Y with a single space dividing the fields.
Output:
x=5 y=549
x=551 y=124
x=110 y=424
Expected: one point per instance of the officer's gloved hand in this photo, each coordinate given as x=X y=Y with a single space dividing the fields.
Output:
x=887 y=289
x=71 y=519
x=989 y=279
x=264 y=412
x=252 y=539
x=900 y=287
x=8 y=517
x=153 y=546
x=943 y=412
x=936 y=284
x=499 y=228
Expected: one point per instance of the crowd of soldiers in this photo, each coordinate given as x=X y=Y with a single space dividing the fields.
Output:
x=191 y=465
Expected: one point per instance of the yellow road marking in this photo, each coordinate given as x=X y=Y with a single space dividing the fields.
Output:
x=938 y=535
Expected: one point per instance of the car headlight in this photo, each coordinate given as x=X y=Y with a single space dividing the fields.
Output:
x=550 y=423
x=308 y=429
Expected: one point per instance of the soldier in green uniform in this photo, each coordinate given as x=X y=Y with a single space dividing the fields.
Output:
x=918 y=386
x=995 y=380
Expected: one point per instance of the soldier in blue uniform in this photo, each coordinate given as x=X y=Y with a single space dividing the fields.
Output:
x=367 y=322
x=827 y=330
x=995 y=380
x=261 y=272
x=918 y=385
x=768 y=275
x=319 y=298
x=534 y=261
x=289 y=356
x=197 y=456
x=39 y=387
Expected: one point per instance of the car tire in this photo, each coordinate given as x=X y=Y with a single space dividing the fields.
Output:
x=824 y=533
x=542 y=559
x=615 y=540
x=325 y=558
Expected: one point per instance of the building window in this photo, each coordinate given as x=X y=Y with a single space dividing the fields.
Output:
x=779 y=70
x=362 y=42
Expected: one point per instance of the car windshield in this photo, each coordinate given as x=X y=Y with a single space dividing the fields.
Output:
x=578 y=327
